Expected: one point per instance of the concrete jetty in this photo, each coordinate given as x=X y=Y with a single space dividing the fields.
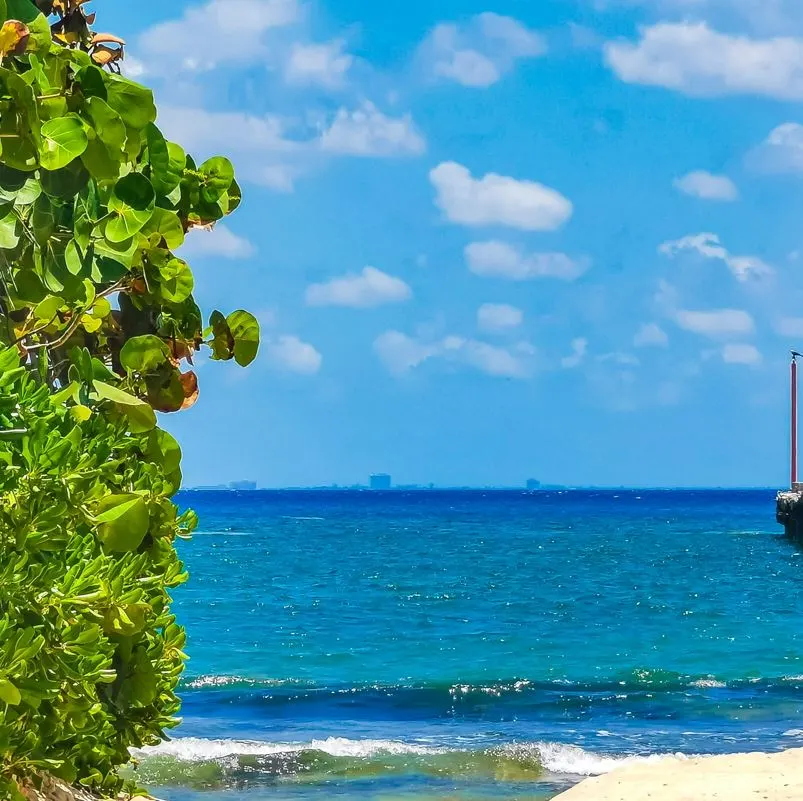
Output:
x=789 y=512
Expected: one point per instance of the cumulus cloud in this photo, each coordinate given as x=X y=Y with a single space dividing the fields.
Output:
x=706 y=186
x=320 y=63
x=291 y=354
x=709 y=246
x=362 y=290
x=497 y=200
x=496 y=259
x=366 y=131
x=650 y=335
x=479 y=52
x=716 y=323
x=692 y=58
x=499 y=317
x=259 y=146
x=401 y=353
x=734 y=353
x=220 y=241
x=578 y=354
x=214 y=33
x=781 y=151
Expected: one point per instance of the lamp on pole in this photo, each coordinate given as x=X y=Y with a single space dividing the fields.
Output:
x=795 y=355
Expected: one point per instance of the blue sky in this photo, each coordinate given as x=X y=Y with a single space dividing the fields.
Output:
x=493 y=240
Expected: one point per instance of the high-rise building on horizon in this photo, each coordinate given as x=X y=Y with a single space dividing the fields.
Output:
x=533 y=484
x=380 y=481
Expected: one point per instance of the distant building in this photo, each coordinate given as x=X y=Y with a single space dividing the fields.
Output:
x=533 y=484
x=243 y=485
x=380 y=481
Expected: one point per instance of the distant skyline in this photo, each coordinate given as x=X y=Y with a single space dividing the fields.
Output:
x=491 y=241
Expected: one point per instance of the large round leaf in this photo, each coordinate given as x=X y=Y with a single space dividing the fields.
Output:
x=122 y=522
x=245 y=332
x=133 y=102
x=132 y=203
x=168 y=225
x=107 y=123
x=143 y=354
x=63 y=139
x=218 y=175
x=176 y=281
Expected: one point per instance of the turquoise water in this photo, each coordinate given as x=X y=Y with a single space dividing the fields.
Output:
x=476 y=645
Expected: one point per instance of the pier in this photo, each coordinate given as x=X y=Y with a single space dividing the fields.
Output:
x=789 y=503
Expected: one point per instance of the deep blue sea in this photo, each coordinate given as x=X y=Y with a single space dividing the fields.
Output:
x=476 y=645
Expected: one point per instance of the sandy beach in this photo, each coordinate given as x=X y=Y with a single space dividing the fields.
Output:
x=734 y=777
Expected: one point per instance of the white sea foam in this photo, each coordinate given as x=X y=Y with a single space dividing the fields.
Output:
x=194 y=749
x=707 y=683
x=570 y=759
x=555 y=757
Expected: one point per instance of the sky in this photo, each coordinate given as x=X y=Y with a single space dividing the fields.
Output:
x=488 y=241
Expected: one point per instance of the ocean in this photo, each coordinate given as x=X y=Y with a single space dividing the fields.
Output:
x=476 y=645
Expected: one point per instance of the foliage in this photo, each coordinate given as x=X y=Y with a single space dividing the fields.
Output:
x=98 y=329
x=89 y=652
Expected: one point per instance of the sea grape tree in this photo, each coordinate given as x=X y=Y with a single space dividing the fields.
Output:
x=98 y=329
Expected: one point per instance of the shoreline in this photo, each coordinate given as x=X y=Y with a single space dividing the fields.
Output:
x=729 y=777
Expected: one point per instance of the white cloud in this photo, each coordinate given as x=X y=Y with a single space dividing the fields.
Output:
x=478 y=53
x=790 y=327
x=781 y=151
x=692 y=58
x=578 y=355
x=214 y=33
x=323 y=64
x=499 y=317
x=259 y=146
x=716 y=323
x=709 y=246
x=497 y=200
x=220 y=241
x=763 y=15
x=362 y=290
x=650 y=335
x=741 y=354
x=366 y=131
x=289 y=353
x=401 y=353
x=496 y=259
x=706 y=186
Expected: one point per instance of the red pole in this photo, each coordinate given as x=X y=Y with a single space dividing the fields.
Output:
x=794 y=421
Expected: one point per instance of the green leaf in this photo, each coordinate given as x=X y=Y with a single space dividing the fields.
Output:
x=133 y=102
x=63 y=139
x=132 y=203
x=218 y=175
x=123 y=522
x=107 y=123
x=143 y=354
x=141 y=417
x=168 y=226
x=116 y=395
x=245 y=331
x=163 y=449
x=176 y=281
x=9 y=694
x=9 y=238
x=80 y=413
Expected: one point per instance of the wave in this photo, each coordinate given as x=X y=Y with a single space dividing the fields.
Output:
x=216 y=764
x=632 y=681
